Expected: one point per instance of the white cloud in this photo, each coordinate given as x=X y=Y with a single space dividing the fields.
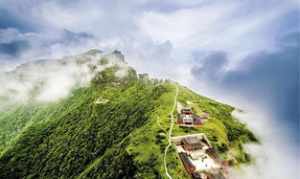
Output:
x=239 y=28
x=51 y=80
x=216 y=26
x=184 y=24
x=276 y=157
x=77 y=17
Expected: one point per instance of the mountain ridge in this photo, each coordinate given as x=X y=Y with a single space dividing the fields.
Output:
x=113 y=127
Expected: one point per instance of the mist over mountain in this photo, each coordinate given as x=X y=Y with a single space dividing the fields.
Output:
x=50 y=80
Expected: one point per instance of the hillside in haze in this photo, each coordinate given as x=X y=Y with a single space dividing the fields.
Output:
x=109 y=123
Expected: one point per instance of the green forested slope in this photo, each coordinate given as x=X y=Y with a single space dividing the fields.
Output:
x=114 y=128
x=79 y=131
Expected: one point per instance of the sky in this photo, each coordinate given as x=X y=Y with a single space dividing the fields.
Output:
x=245 y=53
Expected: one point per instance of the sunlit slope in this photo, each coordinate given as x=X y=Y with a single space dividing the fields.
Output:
x=114 y=128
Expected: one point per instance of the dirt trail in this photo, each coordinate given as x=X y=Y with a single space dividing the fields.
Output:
x=170 y=133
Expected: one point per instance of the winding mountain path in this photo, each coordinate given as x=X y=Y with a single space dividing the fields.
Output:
x=170 y=133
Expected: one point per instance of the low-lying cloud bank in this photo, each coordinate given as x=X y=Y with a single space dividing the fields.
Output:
x=276 y=157
x=51 y=80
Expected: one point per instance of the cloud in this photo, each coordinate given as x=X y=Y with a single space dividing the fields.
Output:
x=276 y=157
x=182 y=24
x=269 y=78
x=217 y=26
x=51 y=80
x=188 y=26
x=12 y=42
x=14 y=48
x=20 y=47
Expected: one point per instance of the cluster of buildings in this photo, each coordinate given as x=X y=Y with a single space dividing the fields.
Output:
x=197 y=155
x=199 y=158
x=187 y=118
